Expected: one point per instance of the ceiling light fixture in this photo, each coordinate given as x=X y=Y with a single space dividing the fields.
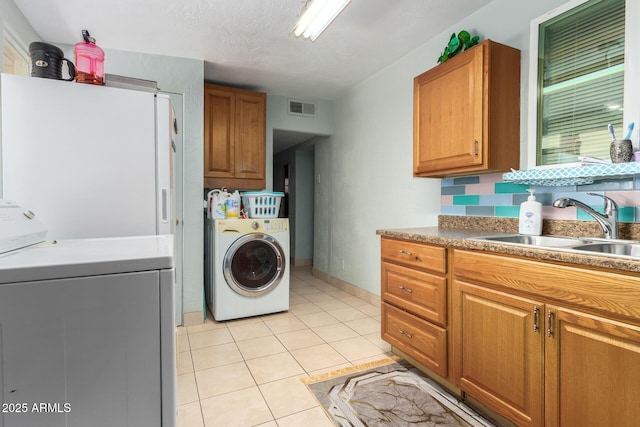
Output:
x=316 y=16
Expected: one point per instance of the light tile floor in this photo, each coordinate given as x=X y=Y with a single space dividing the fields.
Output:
x=247 y=372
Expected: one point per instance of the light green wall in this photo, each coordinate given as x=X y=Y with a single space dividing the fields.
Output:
x=371 y=150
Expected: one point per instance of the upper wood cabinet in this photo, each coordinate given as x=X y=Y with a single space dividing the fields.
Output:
x=234 y=138
x=466 y=116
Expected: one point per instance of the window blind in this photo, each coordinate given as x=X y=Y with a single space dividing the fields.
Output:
x=580 y=81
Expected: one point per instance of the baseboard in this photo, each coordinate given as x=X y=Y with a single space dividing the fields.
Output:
x=320 y=275
x=302 y=262
x=347 y=287
x=193 y=318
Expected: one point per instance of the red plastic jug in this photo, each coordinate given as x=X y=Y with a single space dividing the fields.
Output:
x=89 y=61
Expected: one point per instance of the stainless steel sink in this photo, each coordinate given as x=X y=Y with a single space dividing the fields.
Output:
x=542 y=241
x=623 y=249
x=592 y=245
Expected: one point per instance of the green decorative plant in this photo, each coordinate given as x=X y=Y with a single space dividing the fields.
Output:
x=457 y=44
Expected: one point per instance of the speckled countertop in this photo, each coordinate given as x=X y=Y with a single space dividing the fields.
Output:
x=455 y=233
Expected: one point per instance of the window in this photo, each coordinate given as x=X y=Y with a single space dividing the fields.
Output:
x=14 y=59
x=578 y=74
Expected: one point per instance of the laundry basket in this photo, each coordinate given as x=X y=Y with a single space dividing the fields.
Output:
x=262 y=204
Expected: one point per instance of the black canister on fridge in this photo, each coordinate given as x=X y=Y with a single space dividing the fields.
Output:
x=46 y=61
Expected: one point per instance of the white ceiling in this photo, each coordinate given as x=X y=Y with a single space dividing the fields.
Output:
x=248 y=42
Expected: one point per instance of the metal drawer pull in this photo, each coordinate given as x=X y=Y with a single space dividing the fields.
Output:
x=403 y=252
x=405 y=289
x=406 y=334
x=549 y=320
x=535 y=319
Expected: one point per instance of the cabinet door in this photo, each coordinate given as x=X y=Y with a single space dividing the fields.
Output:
x=501 y=352
x=466 y=114
x=219 y=133
x=593 y=371
x=250 y=147
x=448 y=115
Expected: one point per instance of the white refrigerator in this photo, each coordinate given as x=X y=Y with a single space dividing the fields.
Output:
x=89 y=161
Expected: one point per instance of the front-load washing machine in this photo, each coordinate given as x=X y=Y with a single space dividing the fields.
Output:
x=249 y=271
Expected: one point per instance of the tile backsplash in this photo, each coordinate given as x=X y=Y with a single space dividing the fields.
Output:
x=488 y=195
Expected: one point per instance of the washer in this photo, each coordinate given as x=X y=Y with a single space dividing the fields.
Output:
x=249 y=273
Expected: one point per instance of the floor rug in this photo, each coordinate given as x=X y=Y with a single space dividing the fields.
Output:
x=389 y=392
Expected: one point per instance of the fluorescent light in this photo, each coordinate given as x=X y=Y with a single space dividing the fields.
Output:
x=317 y=16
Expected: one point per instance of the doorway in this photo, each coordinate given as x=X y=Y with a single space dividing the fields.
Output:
x=293 y=169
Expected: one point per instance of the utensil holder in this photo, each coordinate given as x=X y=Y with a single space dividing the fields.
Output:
x=621 y=151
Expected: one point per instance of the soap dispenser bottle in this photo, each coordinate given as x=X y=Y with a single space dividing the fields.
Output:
x=531 y=216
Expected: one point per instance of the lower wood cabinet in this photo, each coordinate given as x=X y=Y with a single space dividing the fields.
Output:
x=539 y=343
x=414 y=301
x=547 y=344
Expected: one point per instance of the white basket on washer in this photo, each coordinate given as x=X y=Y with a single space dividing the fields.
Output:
x=262 y=204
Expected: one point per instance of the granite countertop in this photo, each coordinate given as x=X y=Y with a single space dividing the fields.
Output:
x=459 y=238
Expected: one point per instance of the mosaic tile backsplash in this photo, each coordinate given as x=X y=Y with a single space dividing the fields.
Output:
x=489 y=195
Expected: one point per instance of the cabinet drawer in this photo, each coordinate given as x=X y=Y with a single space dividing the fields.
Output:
x=421 y=293
x=414 y=254
x=425 y=342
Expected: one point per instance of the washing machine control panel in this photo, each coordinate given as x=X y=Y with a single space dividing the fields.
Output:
x=240 y=226
x=274 y=225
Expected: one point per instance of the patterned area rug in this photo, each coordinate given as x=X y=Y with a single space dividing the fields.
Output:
x=389 y=392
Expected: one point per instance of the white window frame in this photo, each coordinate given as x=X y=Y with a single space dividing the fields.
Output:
x=19 y=47
x=631 y=68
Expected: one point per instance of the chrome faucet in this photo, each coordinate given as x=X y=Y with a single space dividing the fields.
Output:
x=608 y=220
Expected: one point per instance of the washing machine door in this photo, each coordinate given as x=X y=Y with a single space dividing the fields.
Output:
x=254 y=264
